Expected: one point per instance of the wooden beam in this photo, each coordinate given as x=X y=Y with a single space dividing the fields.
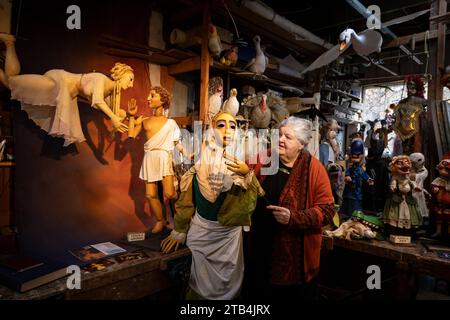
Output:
x=205 y=63
x=187 y=65
x=183 y=121
x=419 y=37
x=441 y=18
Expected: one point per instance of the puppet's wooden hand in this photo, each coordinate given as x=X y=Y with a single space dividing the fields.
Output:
x=235 y=165
x=173 y=242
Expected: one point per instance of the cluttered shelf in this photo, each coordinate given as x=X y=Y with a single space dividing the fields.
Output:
x=134 y=279
x=423 y=256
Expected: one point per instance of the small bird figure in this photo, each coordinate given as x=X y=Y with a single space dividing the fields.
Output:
x=231 y=105
x=230 y=57
x=215 y=100
x=259 y=63
x=214 y=45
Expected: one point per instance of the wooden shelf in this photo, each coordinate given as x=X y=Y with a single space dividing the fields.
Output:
x=7 y=164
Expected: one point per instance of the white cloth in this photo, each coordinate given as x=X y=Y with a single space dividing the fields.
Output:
x=50 y=100
x=420 y=195
x=213 y=176
x=217 y=268
x=157 y=162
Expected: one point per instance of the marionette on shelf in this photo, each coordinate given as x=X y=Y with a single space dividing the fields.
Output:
x=440 y=191
x=163 y=135
x=401 y=213
x=407 y=115
x=354 y=178
x=329 y=147
x=50 y=100
x=374 y=196
x=218 y=196
x=419 y=174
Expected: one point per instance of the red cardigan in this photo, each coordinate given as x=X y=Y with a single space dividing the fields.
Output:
x=307 y=194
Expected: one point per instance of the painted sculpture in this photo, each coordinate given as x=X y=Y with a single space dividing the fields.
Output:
x=218 y=196
x=329 y=147
x=215 y=91
x=163 y=135
x=440 y=190
x=259 y=63
x=354 y=178
x=231 y=105
x=401 y=214
x=419 y=174
x=50 y=100
x=407 y=115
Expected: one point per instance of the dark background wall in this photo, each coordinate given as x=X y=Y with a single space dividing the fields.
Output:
x=89 y=192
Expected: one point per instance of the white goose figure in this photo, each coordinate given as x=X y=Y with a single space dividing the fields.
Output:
x=231 y=105
x=259 y=63
x=367 y=42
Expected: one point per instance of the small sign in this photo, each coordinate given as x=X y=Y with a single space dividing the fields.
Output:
x=400 y=239
x=135 y=236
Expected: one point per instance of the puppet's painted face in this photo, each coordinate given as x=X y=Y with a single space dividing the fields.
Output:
x=331 y=134
x=356 y=158
x=412 y=88
x=417 y=160
x=127 y=80
x=444 y=168
x=154 y=99
x=401 y=166
x=225 y=127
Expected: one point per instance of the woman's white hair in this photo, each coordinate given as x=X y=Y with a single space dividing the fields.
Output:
x=302 y=128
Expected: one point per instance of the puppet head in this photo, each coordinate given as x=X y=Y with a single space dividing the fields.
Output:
x=158 y=97
x=357 y=151
x=123 y=74
x=415 y=87
x=417 y=160
x=444 y=167
x=400 y=165
x=224 y=125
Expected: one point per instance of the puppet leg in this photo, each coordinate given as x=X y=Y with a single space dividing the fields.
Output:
x=151 y=192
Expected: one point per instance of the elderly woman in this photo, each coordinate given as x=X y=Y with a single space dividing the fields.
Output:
x=50 y=100
x=285 y=242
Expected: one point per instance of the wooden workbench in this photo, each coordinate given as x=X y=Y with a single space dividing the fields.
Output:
x=410 y=261
x=129 y=280
x=415 y=255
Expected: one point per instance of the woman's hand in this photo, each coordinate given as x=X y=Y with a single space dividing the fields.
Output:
x=118 y=125
x=281 y=214
x=235 y=165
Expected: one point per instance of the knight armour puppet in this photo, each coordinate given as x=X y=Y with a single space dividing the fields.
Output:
x=354 y=178
x=440 y=190
x=163 y=135
x=407 y=115
x=401 y=213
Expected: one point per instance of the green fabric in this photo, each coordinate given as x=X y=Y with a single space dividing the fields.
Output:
x=239 y=204
x=205 y=208
x=392 y=206
x=236 y=209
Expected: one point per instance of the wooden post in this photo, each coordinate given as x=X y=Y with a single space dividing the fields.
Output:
x=435 y=91
x=204 y=63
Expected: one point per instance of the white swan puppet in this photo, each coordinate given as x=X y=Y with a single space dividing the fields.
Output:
x=364 y=43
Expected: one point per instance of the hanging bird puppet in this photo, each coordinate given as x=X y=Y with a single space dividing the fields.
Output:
x=364 y=43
